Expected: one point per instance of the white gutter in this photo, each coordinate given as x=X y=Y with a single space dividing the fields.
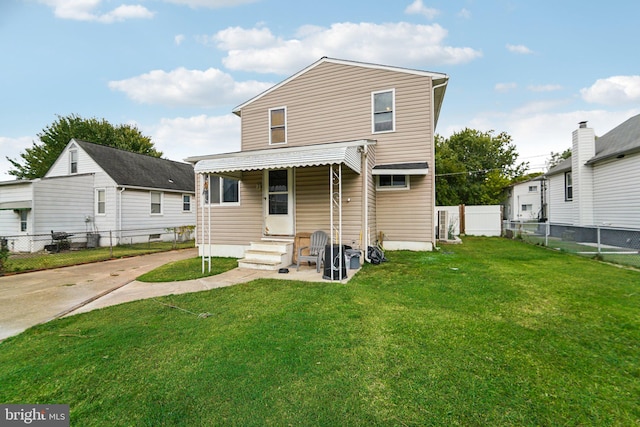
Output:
x=433 y=144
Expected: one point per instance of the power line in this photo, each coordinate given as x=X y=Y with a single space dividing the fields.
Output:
x=469 y=172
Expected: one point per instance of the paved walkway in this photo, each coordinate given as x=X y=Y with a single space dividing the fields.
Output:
x=32 y=298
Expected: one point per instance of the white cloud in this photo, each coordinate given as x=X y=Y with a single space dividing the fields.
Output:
x=505 y=87
x=183 y=87
x=12 y=148
x=522 y=49
x=537 y=130
x=403 y=44
x=212 y=4
x=233 y=38
x=418 y=8
x=464 y=13
x=544 y=88
x=179 y=39
x=86 y=10
x=616 y=90
x=182 y=137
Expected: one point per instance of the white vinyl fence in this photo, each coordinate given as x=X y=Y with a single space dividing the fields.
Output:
x=470 y=220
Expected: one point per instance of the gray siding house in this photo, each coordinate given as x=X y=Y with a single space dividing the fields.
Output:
x=341 y=146
x=598 y=184
x=96 y=189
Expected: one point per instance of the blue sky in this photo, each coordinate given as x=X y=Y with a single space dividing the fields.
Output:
x=176 y=68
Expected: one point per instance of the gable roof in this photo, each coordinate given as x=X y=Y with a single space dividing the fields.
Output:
x=623 y=139
x=619 y=141
x=440 y=81
x=563 y=166
x=138 y=170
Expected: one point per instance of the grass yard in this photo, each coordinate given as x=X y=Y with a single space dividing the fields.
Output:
x=42 y=261
x=492 y=332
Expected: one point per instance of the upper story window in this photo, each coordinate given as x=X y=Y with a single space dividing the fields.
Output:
x=101 y=202
x=278 y=125
x=568 y=187
x=73 y=161
x=217 y=190
x=395 y=182
x=156 y=203
x=533 y=189
x=186 y=203
x=383 y=111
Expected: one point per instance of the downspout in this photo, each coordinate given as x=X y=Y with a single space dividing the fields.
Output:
x=365 y=230
x=120 y=214
x=433 y=144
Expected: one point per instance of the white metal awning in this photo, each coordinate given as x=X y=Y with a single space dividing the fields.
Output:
x=418 y=168
x=17 y=205
x=346 y=153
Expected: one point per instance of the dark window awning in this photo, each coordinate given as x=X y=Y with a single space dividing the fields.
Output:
x=346 y=153
x=19 y=205
x=418 y=168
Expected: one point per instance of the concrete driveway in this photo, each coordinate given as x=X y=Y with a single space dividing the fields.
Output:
x=30 y=299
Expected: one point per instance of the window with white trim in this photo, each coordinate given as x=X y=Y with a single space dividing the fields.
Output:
x=533 y=189
x=101 y=201
x=156 y=203
x=568 y=187
x=186 y=203
x=526 y=208
x=217 y=190
x=278 y=125
x=24 y=215
x=383 y=113
x=393 y=182
x=73 y=161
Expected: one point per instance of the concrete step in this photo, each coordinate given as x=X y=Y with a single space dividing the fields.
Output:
x=264 y=255
x=271 y=246
x=256 y=264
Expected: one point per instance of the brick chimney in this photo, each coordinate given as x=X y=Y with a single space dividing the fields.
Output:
x=582 y=150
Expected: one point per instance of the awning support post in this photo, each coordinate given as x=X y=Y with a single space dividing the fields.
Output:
x=335 y=220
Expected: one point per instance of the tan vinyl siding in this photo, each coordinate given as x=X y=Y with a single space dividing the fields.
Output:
x=233 y=225
x=341 y=111
x=406 y=215
x=313 y=202
x=373 y=230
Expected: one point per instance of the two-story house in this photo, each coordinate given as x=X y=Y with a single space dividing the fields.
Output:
x=341 y=146
x=99 y=190
x=525 y=201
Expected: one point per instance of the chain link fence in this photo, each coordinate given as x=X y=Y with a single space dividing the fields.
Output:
x=615 y=245
x=29 y=252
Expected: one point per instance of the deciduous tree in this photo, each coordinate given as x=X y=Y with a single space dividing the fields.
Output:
x=35 y=161
x=473 y=167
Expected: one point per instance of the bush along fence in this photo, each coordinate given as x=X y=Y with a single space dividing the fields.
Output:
x=59 y=248
x=616 y=245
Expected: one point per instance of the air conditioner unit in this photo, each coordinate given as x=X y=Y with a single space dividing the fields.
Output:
x=443 y=224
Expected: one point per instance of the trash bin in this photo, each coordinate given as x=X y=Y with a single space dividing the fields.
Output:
x=332 y=270
x=93 y=239
x=353 y=258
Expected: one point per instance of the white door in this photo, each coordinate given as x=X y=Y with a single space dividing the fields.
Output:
x=278 y=202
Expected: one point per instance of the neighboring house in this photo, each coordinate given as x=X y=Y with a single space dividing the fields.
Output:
x=341 y=146
x=598 y=184
x=95 y=188
x=525 y=200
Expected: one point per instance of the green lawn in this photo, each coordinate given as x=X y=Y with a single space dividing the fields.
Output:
x=492 y=332
x=42 y=261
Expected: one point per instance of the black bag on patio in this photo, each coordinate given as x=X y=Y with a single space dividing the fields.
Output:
x=375 y=255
